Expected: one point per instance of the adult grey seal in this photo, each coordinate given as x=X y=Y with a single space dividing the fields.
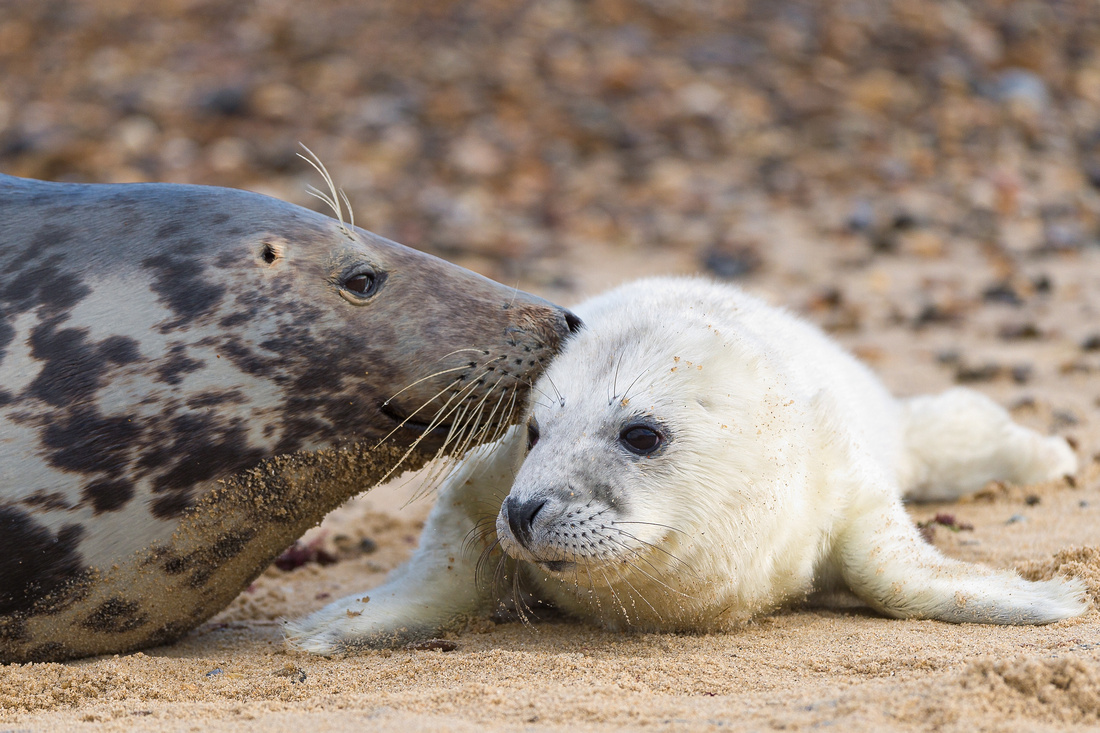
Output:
x=694 y=457
x=190 y=377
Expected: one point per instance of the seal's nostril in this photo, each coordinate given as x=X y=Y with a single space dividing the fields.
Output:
x=575 y=324
x=521 y=517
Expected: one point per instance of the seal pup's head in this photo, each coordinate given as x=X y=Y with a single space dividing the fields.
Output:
x=644 y=440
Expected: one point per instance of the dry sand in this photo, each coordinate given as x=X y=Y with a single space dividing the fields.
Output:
x=920 y=177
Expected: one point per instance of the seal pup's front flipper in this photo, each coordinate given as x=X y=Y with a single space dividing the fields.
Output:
x=438 y=588
x=885 y=562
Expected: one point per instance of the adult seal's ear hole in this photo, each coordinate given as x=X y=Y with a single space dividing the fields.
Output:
x=271 y=252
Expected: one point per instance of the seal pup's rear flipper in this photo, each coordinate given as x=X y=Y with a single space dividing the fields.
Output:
x=437 y=589
x=885 y=562
x=957 y=441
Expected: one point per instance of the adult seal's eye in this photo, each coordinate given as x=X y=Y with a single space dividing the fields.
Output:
x=641 y=439
x=532 y=434
x=360 y=284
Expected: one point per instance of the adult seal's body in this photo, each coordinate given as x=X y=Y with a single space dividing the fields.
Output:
x=694 y=457
x=190 y=377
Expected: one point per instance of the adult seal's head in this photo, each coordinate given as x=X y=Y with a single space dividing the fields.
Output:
x=192 y=376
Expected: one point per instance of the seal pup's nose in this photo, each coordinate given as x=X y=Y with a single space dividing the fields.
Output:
x=521 y=517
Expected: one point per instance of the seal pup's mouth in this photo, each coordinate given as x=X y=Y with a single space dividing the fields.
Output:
x=556 y=566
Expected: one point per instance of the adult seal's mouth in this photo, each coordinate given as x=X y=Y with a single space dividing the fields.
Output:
x=415 y=423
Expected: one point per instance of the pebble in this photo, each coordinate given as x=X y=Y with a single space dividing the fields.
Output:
x=1020 y=86
x=730 y=262
x=1002 y=292
x=1015 y=518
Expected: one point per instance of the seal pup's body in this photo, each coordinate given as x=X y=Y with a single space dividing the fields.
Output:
x=172 y=359
x=695 y=457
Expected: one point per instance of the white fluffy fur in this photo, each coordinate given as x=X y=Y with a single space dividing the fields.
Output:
x=783 y=469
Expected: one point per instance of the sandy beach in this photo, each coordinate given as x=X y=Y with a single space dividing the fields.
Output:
x=920 y=180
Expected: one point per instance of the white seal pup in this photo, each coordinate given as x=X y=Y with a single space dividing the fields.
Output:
x=190 y=377
x=694 y=457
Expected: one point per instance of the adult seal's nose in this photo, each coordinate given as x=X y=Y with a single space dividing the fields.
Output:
x=521 y=517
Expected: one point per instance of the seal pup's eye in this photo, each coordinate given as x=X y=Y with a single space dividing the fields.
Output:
x=641 y=439
x=360 y=284
x=532 y=434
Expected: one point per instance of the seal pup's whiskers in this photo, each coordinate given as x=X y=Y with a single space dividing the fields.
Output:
x=617 y=360
x=626 y=395
x=634 y=552
x=685 y=566
x=615 y=596
x=645 y=600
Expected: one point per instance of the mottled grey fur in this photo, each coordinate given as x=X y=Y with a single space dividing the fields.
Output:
x=186 y=384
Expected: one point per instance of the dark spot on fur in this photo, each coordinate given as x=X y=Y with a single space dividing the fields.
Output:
x=207 y=450
x=62 y=290
x=169 y=229
x=175 y=565
x=230 y=545
x=48 y=652
x=228 y=258
x=180 y=285
x=214 y=399
x=50 y=283
x=73 y=367
x=176 y=364
x=119 y=350
x=235 y=319
x=316 y=379
x=33 y=561
x=171 y=506
x=205 y=562
x=7 y=333
x=116 y=616
x=47 y=238
x=13 y=629
x=168 y=633
x=245 y=360
x=86 y=442
x=45 y=500
x=108 y=495
x=71 y=371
